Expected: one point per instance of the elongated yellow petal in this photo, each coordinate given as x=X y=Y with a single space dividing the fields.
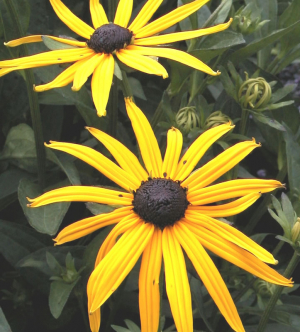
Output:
x=24 y=40
x=125 y=224
x=141 y=63
x=174 y=145
x=197 y=149
x=48 y=58
x=123 y=13
x=116 y=265
x=83 y=72
x=144 y=14
x=177 y=284
x=63 y=79
x=237 y=256
x=177 y=36
x=230 y=234
x=101 y=83
x=100 y=162
x=95 y=319
x=89 y=225
x=98 y=14
x=67 y=41
x=209 y=275
x=169 y=19
x=125 y=158
x=146 y=139
x=231 y=189
x=149 y=297
x=219 y=165
x=226 y=210
x=175 y=55
x=82 y=194
x=70 y=20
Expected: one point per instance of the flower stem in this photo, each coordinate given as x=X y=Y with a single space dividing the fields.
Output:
x=244 y=121
x=33 y=101
x=126 y=88
x=273 y=300
x=112 y=108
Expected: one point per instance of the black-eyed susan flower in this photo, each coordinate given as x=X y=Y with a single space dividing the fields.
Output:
x=165 y=209
x=130 y=43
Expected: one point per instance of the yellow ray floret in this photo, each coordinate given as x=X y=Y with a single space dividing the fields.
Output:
x=97 y=13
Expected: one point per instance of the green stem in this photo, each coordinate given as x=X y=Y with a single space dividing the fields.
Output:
x=126 y=88
x=244 y=121
x=273 y=300
x=277 y=248
x=262 y=208
x=112 y=108
x=33 y=101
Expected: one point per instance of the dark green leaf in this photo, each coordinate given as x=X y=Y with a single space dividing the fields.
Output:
x=56 y=45
x=270 y=122
x=45 y=219
x=4 y=326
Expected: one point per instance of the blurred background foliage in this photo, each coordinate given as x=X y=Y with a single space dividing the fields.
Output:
x=43 y=288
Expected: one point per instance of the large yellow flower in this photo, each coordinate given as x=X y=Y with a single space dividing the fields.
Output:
x=166 y=209
x=130 y=44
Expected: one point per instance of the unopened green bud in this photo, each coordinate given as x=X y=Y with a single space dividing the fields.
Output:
x=246 y=20
x=255 y=93
x=264 y=288
x=215 y=119
x=187 y=118
x=296 y=231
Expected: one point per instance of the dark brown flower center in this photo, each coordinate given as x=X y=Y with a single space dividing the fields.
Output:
x=161 y=202
x=109 y=38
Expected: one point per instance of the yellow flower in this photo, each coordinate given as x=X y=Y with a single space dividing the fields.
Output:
x=130 y=44
x=165 y=209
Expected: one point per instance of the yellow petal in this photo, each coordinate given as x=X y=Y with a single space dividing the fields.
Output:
x=146 y=139
x=177 y=284
x=67 y=41
x=83 y=72
x=63 y=79
x=88 y=225
x=125 y=224
x=169 y=19
x=174 y=145
x=70 y=20
x=95 y=319
x=209 y=275
x=82 y=194
x=101 y=83
x=231 y=189
x=47 y=58
x=177 y=36
x=100 y=162
x=218 y=166
x=98 y=14
x=237 y=256
x=24 y=40
x=123 y=13
x=116 y=265
x=231 y=234
x=125 y=158
x=149 y=296
x=144 y=14
x=195 y=152
x=141 y=63
x=226 y=210
x=175 y=55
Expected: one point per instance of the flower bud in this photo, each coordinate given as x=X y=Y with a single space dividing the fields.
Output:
x=296 y=231
x=187 y=118
x=255 y=93
x=215 y=119
x=264 y=288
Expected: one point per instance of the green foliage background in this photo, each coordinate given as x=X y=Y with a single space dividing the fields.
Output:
x=42 y=288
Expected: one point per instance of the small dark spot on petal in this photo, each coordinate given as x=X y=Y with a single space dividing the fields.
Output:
x=58 y=58
x=165 y=174
x=184 y=162
x=120 y=195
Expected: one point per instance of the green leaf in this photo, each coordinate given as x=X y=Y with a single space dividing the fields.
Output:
x=293 y=160
x=67 y=166
x=58 y=297
x=281 y=93
x=137 y=88
x=281 y=222
x=97 y=208
x=19 y=148
x=4 y=326
x=280 y=105
x=284 y=239
x=270 y=122
x=287 y=208
x=53 y=264
x=45 y=219
x=132 y=326
x=119 y=328
x=222 y=40
x=257 y=45
x=56 y=45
